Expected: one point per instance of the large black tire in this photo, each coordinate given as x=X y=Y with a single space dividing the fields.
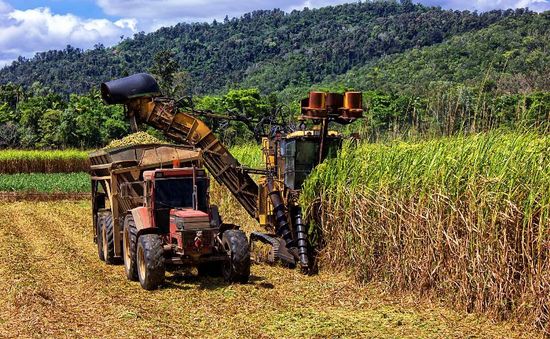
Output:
x=237 y=267
x=99 y=239
x=108 y=239
x=150 y=261
x=129 y=240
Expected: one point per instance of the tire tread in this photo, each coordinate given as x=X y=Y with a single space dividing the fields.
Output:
x=240 y=256
x=154 y=260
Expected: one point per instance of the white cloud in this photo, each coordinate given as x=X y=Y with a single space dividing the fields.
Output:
x=4 y=7
x=5 y=62
x=148 y=9
x=25 y=32
x=487 y=5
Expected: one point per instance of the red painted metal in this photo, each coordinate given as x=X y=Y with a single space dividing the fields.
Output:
x=191 y=218
x=172 y=172
x=188 y=213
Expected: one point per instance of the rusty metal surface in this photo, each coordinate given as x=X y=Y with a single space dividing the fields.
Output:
x=334 y=101
x=315 y=106
x=166 y=155
x=140 y=157
x=317 y=100
x=353 y=105
x=161 y=152
x=353 y=100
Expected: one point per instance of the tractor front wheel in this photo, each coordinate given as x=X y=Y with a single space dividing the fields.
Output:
x=150 y=261
x=129 y=240
x=237 y=266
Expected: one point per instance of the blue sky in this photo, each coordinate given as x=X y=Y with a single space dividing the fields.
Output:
x=30 y=26
x=83 y=8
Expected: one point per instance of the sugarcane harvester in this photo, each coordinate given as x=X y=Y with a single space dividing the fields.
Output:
x=289 y=157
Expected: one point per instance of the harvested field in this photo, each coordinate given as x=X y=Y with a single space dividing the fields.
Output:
x=20 y=161
x=53 y=285
x=42 y=196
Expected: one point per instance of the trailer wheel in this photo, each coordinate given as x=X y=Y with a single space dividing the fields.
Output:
x=129 y=240
x=150 y=261
x=99 y=239
x=237 y=266
x=107 y=237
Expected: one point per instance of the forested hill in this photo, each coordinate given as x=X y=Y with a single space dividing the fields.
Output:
x=309 y=44
x=511 y=56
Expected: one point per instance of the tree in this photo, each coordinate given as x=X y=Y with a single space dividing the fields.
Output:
x=30 y=112
x=164 y=68
x=260 y=49
x=247 y=105
x=50 y=130
x=9 y=135
x=88 y=122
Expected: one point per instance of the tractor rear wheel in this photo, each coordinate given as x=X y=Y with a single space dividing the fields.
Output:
x=108 y=240
x=129 y=240
x=237 y=266
x=150 y=261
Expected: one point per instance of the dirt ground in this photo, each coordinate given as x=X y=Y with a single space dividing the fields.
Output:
x=53 y=285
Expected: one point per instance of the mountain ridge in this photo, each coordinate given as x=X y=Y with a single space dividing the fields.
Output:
x=319 y=43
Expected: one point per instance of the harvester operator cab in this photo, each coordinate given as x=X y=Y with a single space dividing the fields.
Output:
x=300 y=154
x=303 y=150
x=293 y=156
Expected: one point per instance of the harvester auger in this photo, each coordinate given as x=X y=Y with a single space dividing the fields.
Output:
x=289 y=157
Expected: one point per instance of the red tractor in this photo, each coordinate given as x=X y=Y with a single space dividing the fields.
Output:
x=164 y=216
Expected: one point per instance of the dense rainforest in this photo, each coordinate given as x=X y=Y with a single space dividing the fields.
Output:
x=423 y=70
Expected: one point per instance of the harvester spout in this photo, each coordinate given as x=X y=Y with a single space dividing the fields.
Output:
x=130 y=90
x=120 y=91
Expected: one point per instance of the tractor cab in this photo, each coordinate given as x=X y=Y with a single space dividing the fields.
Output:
x=178 y=204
